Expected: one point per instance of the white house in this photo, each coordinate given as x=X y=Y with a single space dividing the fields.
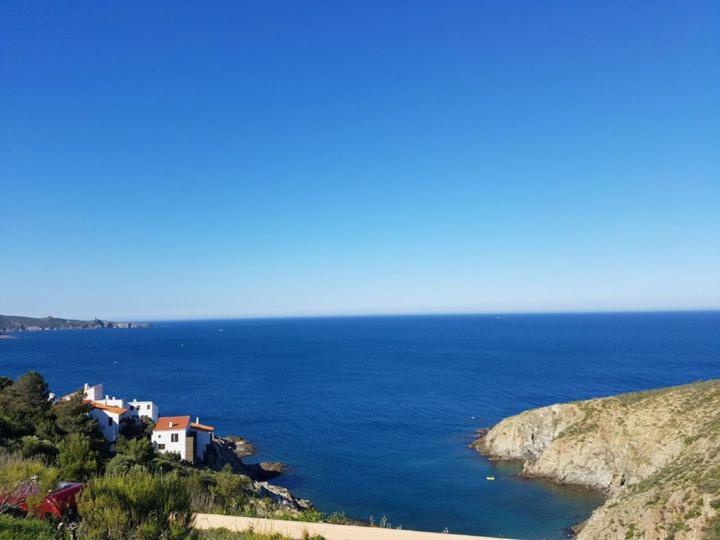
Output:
x=178 y=435
x=110 y=411
x=108 y=417
x=91 y=393
x=144 y=409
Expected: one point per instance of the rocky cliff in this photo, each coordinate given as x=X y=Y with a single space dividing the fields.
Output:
x=656 y=454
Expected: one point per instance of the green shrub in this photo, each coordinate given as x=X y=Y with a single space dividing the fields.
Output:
x=34 y=447
x=120 y=464
x=16 y=472
x=24 y=529
x=230 y=490
x=138 y=451
x=78 y=460
x=138 y=505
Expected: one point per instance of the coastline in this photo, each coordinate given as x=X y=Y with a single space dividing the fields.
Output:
x=656 y=472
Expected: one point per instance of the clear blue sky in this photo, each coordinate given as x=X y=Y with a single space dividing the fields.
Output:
x=198 y=159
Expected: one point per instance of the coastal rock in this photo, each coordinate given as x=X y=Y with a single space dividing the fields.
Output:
x=266 y=470
x=243 y=447
x=284 y=497
x=656 y=454
x=230 y=451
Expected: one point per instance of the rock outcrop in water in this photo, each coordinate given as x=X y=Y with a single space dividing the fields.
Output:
x=656 y=454
x=230 y=451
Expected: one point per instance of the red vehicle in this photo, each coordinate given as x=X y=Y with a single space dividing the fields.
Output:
x=59 y=503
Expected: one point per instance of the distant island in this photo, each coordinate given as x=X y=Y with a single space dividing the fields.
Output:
x=656 y=455
x=13 y=323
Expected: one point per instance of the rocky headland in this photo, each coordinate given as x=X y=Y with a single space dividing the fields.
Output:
x=13 y=323
x=656 y=454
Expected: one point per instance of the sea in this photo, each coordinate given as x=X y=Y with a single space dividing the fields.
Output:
x=373 y=415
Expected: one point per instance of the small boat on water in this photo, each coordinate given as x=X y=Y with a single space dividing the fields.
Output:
x=489 y=478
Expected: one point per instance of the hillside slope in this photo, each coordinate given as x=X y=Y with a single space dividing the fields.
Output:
x=656 y=454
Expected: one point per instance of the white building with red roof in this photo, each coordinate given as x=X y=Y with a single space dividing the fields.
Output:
x=178 y=435
x=110 y=411
x=108 y=417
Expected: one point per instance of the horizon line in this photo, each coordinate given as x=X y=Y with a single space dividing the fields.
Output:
x=428 y=314
x=609 y=311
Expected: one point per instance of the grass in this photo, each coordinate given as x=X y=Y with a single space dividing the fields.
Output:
x=224 y=534
x=12 y=528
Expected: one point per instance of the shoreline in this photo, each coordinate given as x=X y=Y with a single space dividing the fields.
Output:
x=656 y=473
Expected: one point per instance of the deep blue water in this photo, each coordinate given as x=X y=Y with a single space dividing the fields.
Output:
x=374 y=414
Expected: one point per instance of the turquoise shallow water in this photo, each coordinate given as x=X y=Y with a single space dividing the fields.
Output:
x=374 y=414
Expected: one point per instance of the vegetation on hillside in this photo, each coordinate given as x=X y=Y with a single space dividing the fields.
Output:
x=131 y=492
x=656 y=454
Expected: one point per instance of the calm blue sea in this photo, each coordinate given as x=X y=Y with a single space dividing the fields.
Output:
x=374 y=414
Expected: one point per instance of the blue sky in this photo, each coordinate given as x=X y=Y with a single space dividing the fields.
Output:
x=201 y=159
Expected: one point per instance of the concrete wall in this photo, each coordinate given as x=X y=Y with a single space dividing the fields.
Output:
x=203 y=440
x=299 y=529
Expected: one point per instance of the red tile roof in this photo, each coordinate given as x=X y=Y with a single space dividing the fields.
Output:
x=201 y=427
x=166 y=423
x=108 y=408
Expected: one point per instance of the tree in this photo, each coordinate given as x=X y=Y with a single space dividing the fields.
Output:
x=30 y=392
x=71 y=416
x=139 y=451
x=78 y=460
x=136 y=505
x=33 y=447
x=5 y=382
x=134 y=428
x=24 y=404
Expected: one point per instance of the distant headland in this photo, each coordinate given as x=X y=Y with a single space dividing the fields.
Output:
x=12 y=323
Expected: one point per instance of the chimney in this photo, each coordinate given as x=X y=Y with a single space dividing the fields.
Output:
x=197 y=419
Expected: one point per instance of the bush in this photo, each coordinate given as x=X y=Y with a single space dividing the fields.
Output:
x=120 y=464
x=33 y=447
x=137 y=505
x=138 y=451
x=17 y=472
x=231 y=490
x=24 y=529
x=77 y=460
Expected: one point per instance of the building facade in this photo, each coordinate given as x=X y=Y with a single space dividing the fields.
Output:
x=178 y=435
x=110 y=411
x=108 y=418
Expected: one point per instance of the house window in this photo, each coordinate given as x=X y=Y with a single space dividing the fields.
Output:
x=161 y=447
x=174 y=437
x=147 y=406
